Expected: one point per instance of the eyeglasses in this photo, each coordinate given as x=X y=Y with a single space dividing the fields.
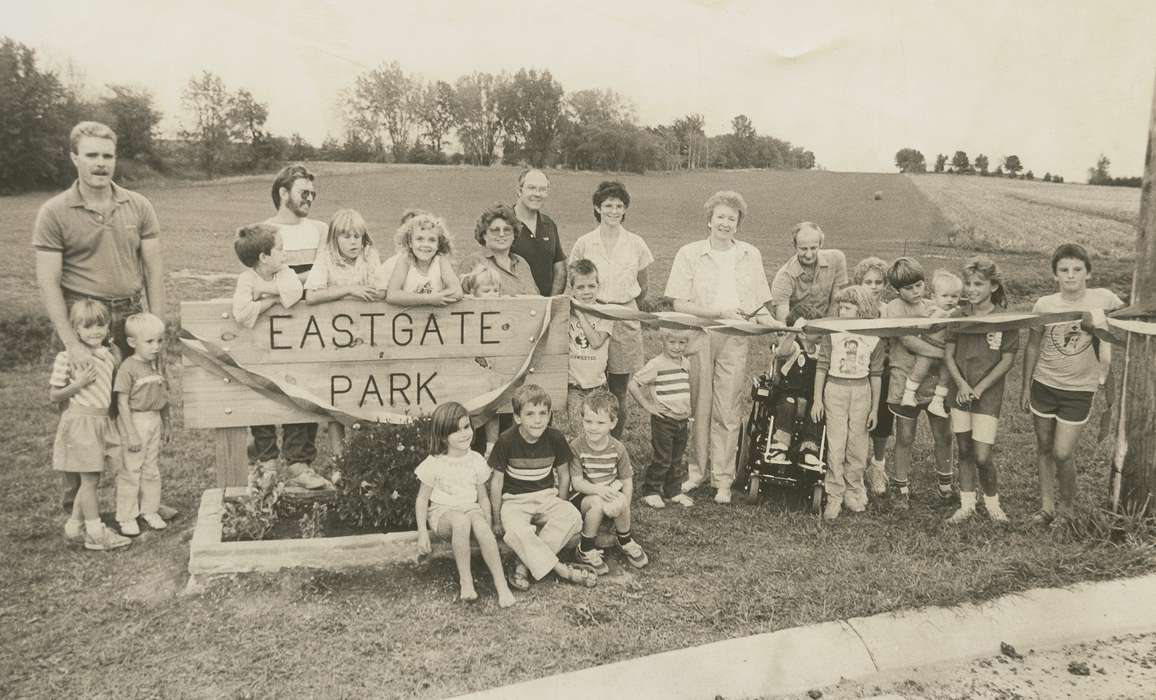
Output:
x=504 y=231
x=307 y=194
x=536 y=189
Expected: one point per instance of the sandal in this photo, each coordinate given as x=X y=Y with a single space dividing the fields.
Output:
x=520 y=579
x=578 y=575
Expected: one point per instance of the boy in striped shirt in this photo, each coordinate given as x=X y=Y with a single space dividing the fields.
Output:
x=524 y=492
x=603 y=480
x=663 y=389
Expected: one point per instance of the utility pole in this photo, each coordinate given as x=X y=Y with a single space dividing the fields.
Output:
x=1136 y=444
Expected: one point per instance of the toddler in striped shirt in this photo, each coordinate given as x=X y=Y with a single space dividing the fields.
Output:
x=663 y=389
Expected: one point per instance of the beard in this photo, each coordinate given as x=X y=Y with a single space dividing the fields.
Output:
x=299 y=207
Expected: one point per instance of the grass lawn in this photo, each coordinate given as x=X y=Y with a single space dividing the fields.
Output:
x=90 y=624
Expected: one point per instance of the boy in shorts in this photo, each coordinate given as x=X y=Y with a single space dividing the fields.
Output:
x=589 y=342
x=603 y=480
x=1063 y=369
x=531 y=518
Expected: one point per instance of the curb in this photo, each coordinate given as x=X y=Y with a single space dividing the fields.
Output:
x=798 y=659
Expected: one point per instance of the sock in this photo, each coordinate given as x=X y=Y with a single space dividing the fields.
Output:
x=991 y=502
x=586 y=543
x=967 y=500
x=93 y=527
x=940 y=391
x=623 y=538
x=911 y=385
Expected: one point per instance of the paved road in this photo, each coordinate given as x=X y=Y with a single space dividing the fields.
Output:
x=1122 y=667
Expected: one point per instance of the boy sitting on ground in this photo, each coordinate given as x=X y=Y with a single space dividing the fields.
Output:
x=532 y=520
x=603 y=480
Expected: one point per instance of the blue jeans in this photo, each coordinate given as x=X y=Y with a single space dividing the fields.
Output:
x=668 y=441
x=298 y=443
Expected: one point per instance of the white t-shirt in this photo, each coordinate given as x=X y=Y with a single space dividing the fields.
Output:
x=454 y=479
x=307 y=234
x=1067 y=359
x=727 y=292
x=588 y=364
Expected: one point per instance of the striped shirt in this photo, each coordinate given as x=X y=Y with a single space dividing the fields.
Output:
x=529 y=466
x=602 y=466
x=669 y=383
x=96 y=395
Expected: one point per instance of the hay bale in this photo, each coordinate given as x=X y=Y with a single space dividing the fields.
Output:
x=878 y=195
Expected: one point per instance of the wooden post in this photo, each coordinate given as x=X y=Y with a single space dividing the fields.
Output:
x=1136 y=449
x=232 y=460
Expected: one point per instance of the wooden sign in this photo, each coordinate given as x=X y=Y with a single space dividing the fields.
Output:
x=372 y=358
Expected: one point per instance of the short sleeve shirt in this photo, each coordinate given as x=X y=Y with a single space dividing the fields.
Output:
x=329 y=271
x=618 y=268
x=695 y=276
x=100 y=250
x=902 y=361
x=851 y=355
x=668 y=382
x=246 y=309
x=529 y=466
x=146 y=388
x=541 y=249
x=976 y=354
x=515 y=280
x=602 y=466
x=1067 y=357
x=808 y=291
x=96 y=395
x=301 y=241
x=454 y=480
x=587 y=363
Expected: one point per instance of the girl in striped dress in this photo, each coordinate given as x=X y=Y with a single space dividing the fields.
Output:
x=86 y=436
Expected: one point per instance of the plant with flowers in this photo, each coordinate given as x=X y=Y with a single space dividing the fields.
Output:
x=378 y=487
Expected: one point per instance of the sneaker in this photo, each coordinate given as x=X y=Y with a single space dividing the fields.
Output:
x=723 y=495
x=936 y=407
x=303 y=476
x=908 y=398
x=154 y=521
x=855 y=506
x=655 y=501
x=128 y=527
x=335 y=477
x=592 y=559
x=900 y=500
x=961 y=514
x=778 y=454
x=811 y=461
x=832 y=509
x=683 y=500
x=73 y=530
x=634 y=554
x=1043 y=517
x=104 y=540
x=689 y=485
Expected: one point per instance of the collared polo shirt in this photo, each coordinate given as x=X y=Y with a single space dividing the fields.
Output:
x=100 y=251
x=695 y=275
x=808 y=292
x=516 y=280
x=541 y=249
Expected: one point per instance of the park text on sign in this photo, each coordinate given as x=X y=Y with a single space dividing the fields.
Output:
x=370 y=358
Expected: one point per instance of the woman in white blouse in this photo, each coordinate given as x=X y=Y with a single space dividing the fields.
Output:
x=621 y=258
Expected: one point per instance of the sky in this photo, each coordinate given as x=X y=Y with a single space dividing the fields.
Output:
x=1057 y=83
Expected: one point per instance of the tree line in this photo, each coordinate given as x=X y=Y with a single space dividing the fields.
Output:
x=911 y=160
x=387 y=115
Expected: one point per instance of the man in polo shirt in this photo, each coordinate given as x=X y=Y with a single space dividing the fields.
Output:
x=808 y=281
x=293 y=195
x=97 y=240
x=537 y=239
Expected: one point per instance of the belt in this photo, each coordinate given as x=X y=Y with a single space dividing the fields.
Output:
x=107 y=301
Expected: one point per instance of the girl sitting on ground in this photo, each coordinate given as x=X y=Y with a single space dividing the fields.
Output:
x=978 y=364
x=452 y=499
x=422 y=275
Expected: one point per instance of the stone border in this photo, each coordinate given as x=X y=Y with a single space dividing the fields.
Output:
x=209 y=555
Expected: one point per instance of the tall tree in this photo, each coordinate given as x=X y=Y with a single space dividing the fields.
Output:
x=587 y=107
x=476 y=117
x=530 y=107
x=961 y=162
x=1100 y=174
x=940 y=162
x=33 y=114
x=207 y=100
x=1012 y=165
x=133 y=118
x=910 y=160
x=436 y=113
x=691 y=140
x=385 y=104
x=743 y=128
x=982 y=164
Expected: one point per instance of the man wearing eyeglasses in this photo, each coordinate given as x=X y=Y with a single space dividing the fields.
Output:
x=537 y=238
x=293 y=195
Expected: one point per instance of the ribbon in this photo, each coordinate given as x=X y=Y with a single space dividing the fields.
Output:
x=219 y=362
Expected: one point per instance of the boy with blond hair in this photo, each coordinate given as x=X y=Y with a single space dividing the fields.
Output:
x=664 y=390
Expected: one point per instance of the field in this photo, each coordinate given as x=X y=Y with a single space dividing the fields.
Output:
x=1032 y=216
x=117 y=625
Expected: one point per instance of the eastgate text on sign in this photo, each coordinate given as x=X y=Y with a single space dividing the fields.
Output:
x=367 y=358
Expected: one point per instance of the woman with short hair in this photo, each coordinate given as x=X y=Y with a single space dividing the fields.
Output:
x=495 y=231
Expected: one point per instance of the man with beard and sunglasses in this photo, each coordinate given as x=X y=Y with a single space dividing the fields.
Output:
x=96 y=240
x=293 y=194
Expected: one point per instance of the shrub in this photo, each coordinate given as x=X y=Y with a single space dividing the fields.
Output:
x=253 y=516
x=378 y=487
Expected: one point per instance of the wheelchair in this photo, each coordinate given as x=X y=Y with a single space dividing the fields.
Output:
x=799 y=472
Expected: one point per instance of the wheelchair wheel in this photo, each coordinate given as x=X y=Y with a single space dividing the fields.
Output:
x=817 y=498
x=742 y=458
x=752 y=491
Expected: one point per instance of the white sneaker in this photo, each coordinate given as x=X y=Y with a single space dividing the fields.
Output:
x=683 y=500
x=908 y=398
x=154 y=521
x=833 y=508
x=654 y=501
x=723 y=495
x=690 y=485
x=129 y=527
x=961 y=514
x=73 y=530
x=104 y=540
x=936 y=407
